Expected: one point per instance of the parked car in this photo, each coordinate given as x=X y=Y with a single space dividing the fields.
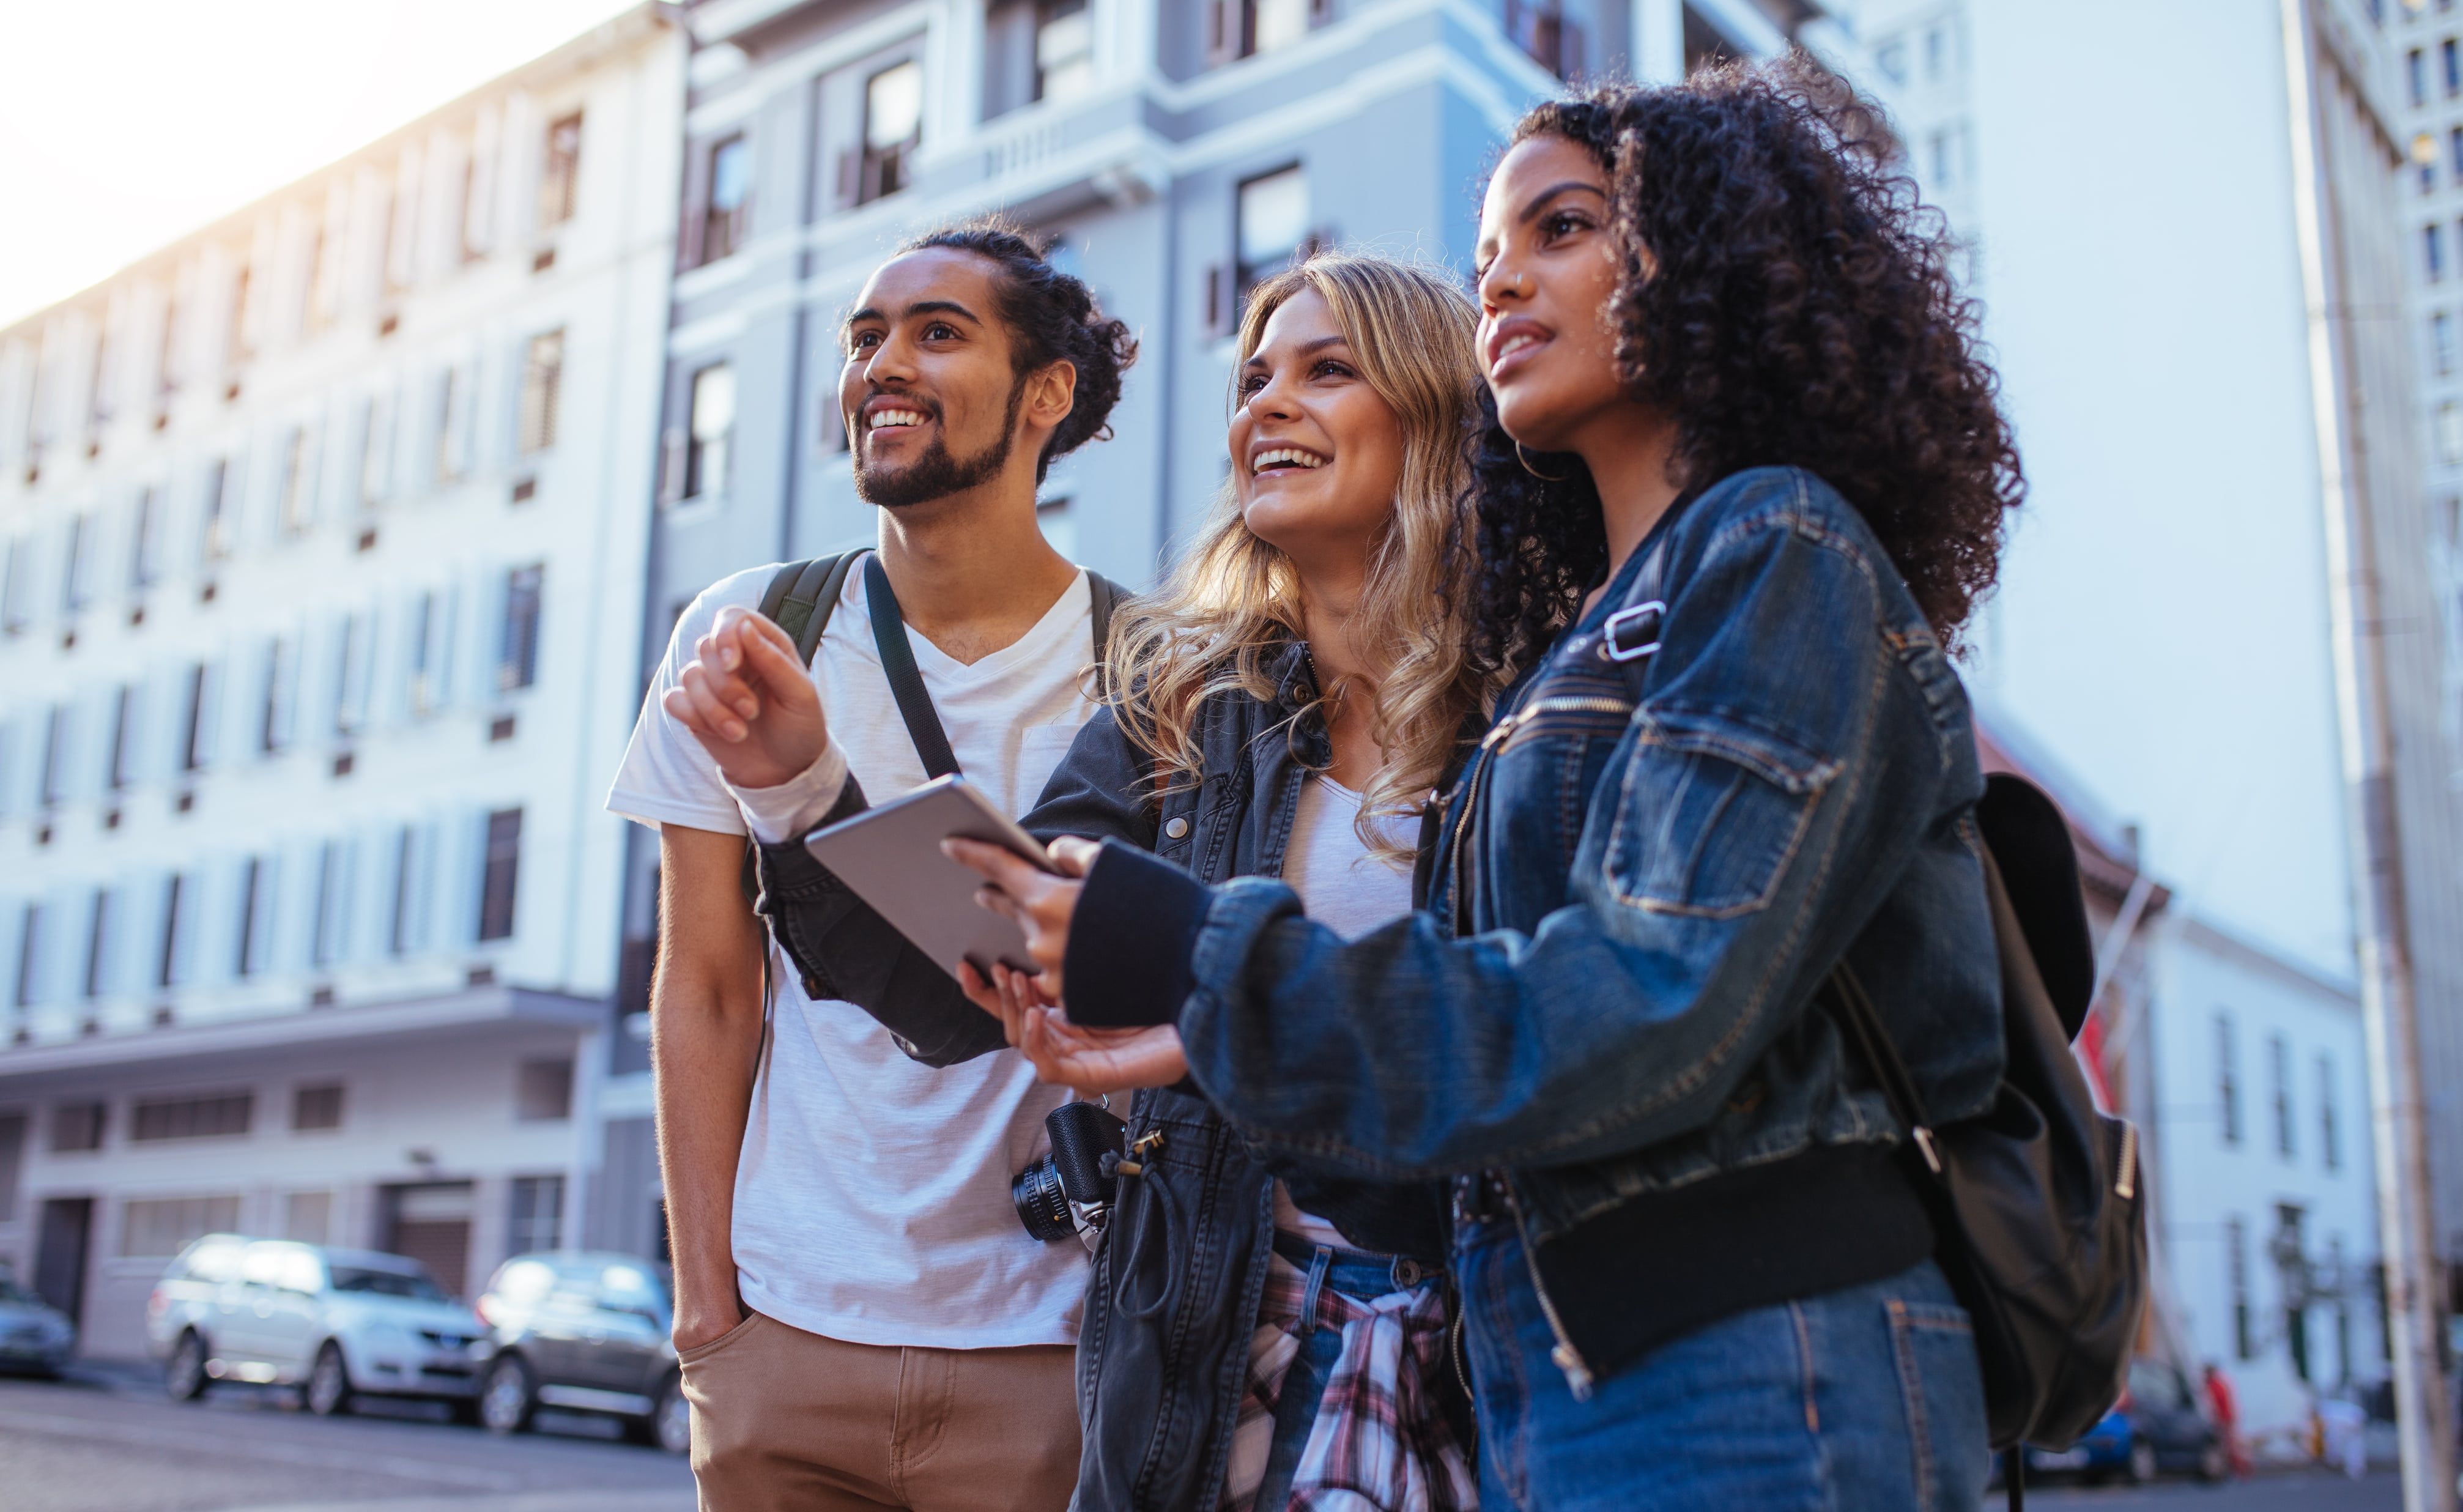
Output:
x=337 y=1323
x=33 y=1334
x=585 y=1332
x=2158 y=1427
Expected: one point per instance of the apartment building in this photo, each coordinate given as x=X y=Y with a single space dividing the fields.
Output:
x=321 y=536
x=1178 y=151
x=2424 y=538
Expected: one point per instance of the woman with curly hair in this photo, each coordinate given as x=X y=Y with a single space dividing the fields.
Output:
x=1742 y=481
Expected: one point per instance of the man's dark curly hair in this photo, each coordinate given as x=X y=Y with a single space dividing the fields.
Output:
x=1786 y=300
x=1052 y=317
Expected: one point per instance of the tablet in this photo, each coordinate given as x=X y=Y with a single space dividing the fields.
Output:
x=891 y=857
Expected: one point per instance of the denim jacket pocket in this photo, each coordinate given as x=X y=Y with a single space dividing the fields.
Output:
x=1711 y=811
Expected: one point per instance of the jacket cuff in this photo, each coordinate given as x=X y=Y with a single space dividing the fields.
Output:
x=788 y=873
x=1126 y=964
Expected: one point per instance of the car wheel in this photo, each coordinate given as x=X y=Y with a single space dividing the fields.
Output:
x=2141 y=1461
x=184 y=1374
x=507 y=1398
x=671 y=1425
x=328 y=1394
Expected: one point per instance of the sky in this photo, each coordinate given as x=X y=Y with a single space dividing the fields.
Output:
x=126 y=123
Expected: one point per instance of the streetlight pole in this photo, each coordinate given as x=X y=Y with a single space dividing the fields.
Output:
x=2366 y=740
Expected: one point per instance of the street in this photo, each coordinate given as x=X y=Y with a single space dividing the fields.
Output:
x=107 y=1440
x=110 y=1441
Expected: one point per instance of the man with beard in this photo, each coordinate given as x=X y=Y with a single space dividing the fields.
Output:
x=860 y=1318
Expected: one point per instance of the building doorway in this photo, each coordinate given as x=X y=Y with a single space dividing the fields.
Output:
x=430 y=1222
x=61 y=1243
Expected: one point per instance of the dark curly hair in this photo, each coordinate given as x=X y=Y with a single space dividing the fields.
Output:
x=1786 y=300
x=1052 y=317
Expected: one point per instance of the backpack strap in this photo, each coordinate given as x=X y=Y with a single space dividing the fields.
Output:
x=1102 y=595
x=800 y=596
x=906 y=678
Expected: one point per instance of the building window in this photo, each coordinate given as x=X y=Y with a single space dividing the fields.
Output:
x=298 y=499
x=2441 y=342
x=1064 y=49
x=77 y=582
x=1247 y=27
x=1891 y=58
x=120 y=770
x=17 y=586
x=157 y=1228
x=13 y=1162
x=2415 y=73
x=429 y=628
x=237 y=348
x=543 y=1091
x=145 y=545
x=712 y=429
x=168 y=971
x=2289 y=1247
x=333 y=904
x=97 y=945
x=1272 y=218
x=2227 y=1080
x=196 y=734
x=99 y=395
x=352 y=641
x=2236 y=1278
x=216 y=540
x=1541 y=30
x=30 y=943
x=405 y=857
x=499 y=874
x=2450 y=433
x=376 y=447
x=2449 y=63
x=317 y=1106
x=2279 y=1056
x=538 y=1214
x=167 y=357
x=2330 y=1136
x=255 y=916
x=53 y=786
x=517 y=648
x=274 y=725
x=560 y=173
x=2454 y=154
x=214 y=1115
x=893 y=126
x=2433 y=244
x=725 y=217
x=542 y=376
x=474 y=203
x=452 y=424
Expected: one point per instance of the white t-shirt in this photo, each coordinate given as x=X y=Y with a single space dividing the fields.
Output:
x=1348 y=891
x=872 y=1195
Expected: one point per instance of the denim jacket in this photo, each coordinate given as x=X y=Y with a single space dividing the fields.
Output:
x=1644 y=880
x=1163 y=1352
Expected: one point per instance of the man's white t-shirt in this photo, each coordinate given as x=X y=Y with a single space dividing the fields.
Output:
x=872 y=1195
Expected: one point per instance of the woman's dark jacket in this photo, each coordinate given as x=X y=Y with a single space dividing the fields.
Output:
x=1644 y=880
x=1163 y=1352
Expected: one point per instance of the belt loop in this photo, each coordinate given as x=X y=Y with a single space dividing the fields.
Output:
x=1319 y=1264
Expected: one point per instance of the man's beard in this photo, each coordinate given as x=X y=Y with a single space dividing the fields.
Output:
x=936 y=473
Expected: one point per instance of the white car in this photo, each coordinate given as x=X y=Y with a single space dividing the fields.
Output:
x=337 y=1323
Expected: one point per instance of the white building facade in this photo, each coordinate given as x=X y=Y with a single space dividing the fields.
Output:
x=322 y=533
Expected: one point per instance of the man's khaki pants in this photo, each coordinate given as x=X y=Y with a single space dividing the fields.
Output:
x=788 y=1421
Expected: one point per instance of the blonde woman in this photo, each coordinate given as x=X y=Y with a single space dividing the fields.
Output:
x=1280 y=707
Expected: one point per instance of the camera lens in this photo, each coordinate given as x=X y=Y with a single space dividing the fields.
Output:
x=1042 y=1206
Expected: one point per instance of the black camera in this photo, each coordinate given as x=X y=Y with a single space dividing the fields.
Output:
x=1081 y=1134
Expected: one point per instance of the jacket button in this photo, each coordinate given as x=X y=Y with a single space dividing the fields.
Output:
x=1177 y=828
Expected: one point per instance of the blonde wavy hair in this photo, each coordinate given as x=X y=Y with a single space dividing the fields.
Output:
x=1233 y=600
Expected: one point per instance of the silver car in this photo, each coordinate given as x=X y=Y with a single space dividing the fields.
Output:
x=33 y=1334
x=336 y=1324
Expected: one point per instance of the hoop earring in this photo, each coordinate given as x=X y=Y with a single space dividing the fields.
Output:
x=1545 y=477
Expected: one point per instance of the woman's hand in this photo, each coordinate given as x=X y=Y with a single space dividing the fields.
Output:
x=1042 y=902
x=1092 y=1062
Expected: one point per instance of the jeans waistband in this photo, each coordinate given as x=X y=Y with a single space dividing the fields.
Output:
x=1355 y=1273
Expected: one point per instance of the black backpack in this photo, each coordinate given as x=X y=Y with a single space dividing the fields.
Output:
x=2036 y=1202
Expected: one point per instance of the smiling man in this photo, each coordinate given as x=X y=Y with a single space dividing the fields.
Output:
x=862 y=1318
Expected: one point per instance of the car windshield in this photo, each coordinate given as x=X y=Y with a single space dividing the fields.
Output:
x=369 y=1281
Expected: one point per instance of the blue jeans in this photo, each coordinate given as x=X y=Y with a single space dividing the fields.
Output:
x=1863 y=1400
x=1354 y=1274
